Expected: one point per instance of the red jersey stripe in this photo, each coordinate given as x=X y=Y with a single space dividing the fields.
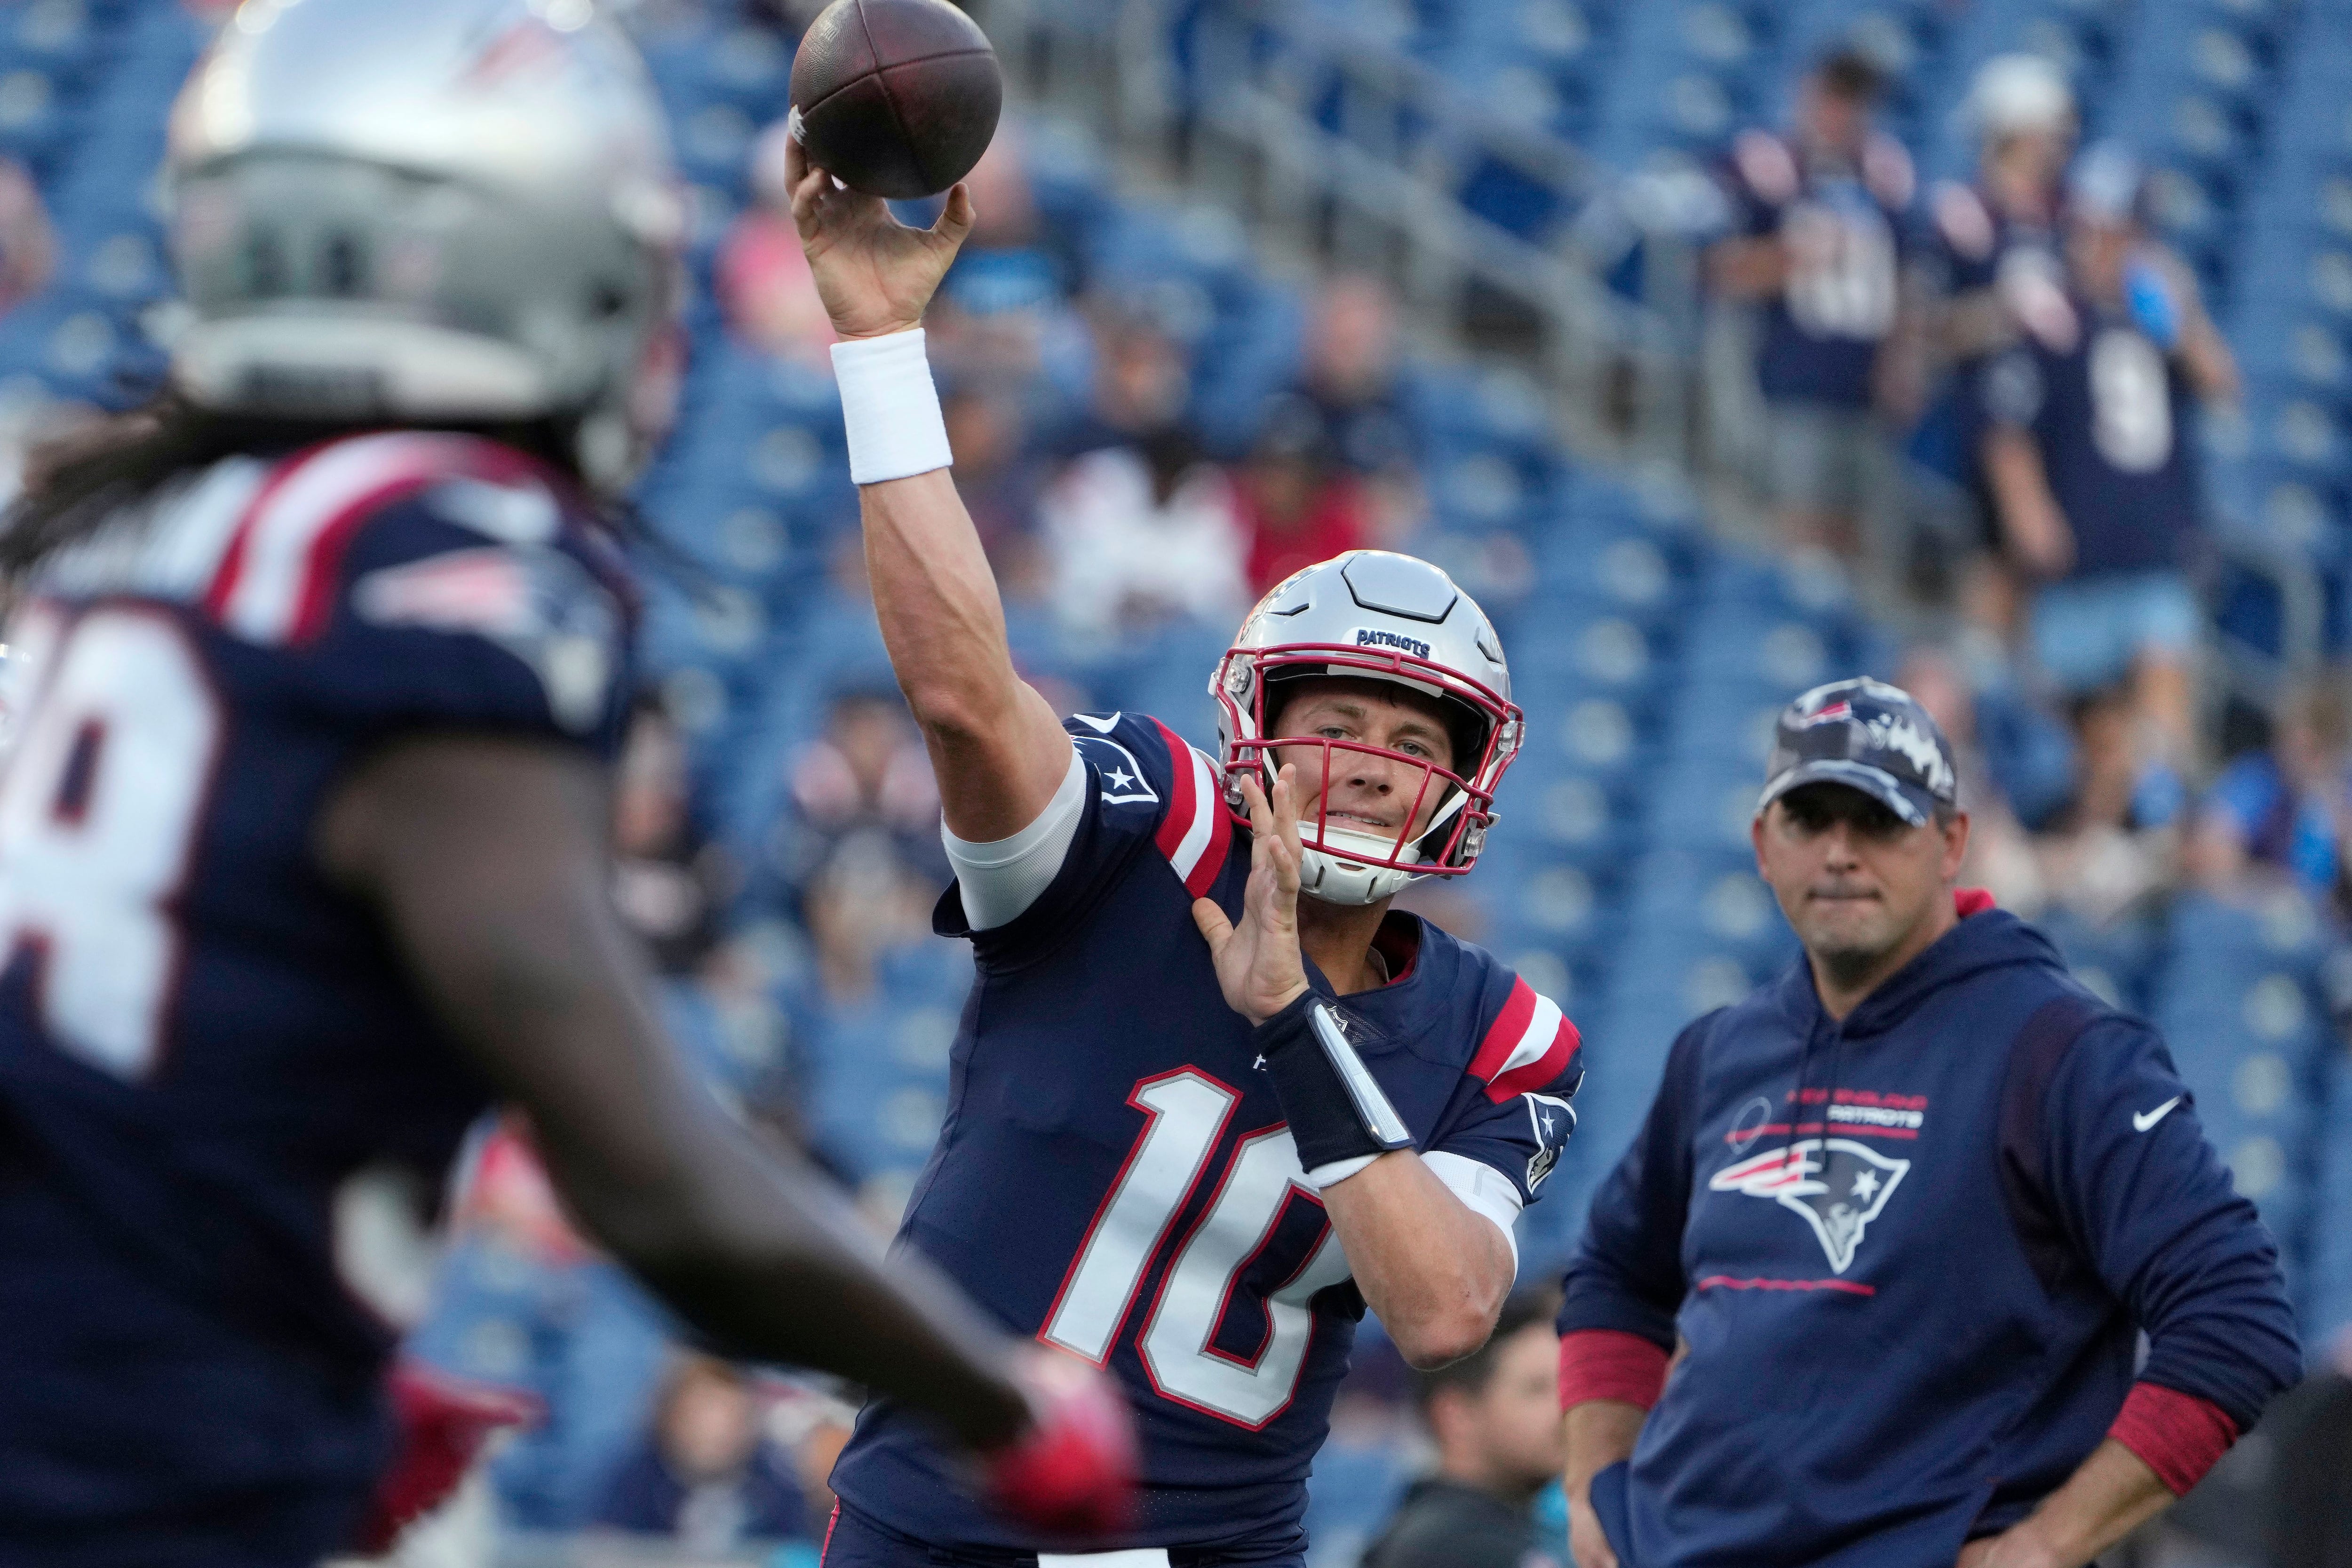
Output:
x=1182 y=792
x=1504 y=1034
x=1533 y=1077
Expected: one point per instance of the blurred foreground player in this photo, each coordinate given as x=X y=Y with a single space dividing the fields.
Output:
x=303 y=839
x=1198 y=1121
x=1906 y=1214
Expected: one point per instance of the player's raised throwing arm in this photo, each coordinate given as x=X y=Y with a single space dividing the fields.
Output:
x=999 y=752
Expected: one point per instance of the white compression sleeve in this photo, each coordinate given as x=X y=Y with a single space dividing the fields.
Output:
x=1000 y=880
x=1481 y=1188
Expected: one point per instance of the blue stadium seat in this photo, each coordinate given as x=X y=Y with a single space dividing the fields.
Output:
x=2239 y=1010
x=2328 y=1314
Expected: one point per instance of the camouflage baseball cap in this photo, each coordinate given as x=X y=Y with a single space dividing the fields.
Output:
x=1869 y=736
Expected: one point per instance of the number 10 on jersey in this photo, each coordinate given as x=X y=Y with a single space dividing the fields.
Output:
x=1185 y=1114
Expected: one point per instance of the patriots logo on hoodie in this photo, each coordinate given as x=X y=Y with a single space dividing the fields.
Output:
x=1838 y=1187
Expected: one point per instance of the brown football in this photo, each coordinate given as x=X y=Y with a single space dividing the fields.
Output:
x=895 y=98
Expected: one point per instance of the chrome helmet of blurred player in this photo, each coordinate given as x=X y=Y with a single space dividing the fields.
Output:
x=1372 y=614
x=446 y=211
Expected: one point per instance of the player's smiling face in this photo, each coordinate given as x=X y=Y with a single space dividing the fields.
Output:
x=1855 y=880
x=1365 y=794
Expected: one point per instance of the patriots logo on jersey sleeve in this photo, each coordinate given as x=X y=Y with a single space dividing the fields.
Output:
x=1838 y=1187
x=536 y=603
x=1553 y=1120
x=1123 y=779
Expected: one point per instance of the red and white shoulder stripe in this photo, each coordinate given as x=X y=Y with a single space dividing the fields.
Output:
x=277 y=581
x=1529 y=1044
x=1197 y=830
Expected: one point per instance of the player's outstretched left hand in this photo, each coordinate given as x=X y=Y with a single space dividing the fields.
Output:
x=1072 y=1470
x=875 y=274
x=1259 y=963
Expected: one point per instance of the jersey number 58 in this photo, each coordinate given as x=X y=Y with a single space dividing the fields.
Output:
x=98 y=809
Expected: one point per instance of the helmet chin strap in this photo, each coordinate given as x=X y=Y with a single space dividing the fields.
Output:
x=1347 y=844
x=1326 y=871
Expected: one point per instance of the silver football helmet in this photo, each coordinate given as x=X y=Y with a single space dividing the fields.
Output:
x=446 y=210
x=1375 y=616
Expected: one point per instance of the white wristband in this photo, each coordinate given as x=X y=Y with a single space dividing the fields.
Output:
x=890 y=408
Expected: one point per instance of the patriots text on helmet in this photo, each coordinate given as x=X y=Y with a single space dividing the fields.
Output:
x=1372 y=637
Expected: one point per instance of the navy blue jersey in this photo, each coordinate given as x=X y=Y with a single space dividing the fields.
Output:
x=1844 y=230
x=1968 y=248
x=1115 y=1176
x=1971 y=242
x=2109 y=409
x=206 y=1050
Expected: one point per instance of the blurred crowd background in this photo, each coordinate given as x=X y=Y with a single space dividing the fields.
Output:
x=1996 y=347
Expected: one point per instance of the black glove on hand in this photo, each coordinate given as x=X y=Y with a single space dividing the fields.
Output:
x=1334 y=1109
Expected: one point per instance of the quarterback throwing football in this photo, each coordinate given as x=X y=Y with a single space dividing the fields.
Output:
x=1198 y=1121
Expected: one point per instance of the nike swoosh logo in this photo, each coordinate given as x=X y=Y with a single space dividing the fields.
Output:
x=2144 y=1119
x=1099 y=726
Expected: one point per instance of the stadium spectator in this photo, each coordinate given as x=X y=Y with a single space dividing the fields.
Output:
x=864 y=775
x=2281 y=812
x=670 y=882
x=705 y=1479
x=2089 y=453
x=523 y=1303
x=1298 y=505
x=2100 y=854
x=1992 y=261
x=999 y=475
x=1819 y=217
x=1141 y=382
x=1993 y=1160
x=1494 y=1418
x=864 y=901
x=1138 y=534
x=763 y=280
x=1352 y=385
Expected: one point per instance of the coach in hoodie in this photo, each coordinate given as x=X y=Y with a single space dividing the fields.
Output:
x=1897 y=1221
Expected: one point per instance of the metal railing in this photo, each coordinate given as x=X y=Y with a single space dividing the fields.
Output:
x=1353 y=153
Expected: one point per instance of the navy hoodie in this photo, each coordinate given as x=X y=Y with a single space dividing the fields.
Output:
x=1911 y=1255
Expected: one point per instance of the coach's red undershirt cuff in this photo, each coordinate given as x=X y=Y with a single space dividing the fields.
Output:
x=2177 y=1435
x=1609 y=1363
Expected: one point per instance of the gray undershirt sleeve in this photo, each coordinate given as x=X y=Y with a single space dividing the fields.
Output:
x=1001 y=880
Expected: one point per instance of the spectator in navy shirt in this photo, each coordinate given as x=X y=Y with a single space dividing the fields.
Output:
x=1819 y=216
x=1902 y=1219
x=705 y=1479
x=1352 y=385
x=2088 y=456
x=1990 y=268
